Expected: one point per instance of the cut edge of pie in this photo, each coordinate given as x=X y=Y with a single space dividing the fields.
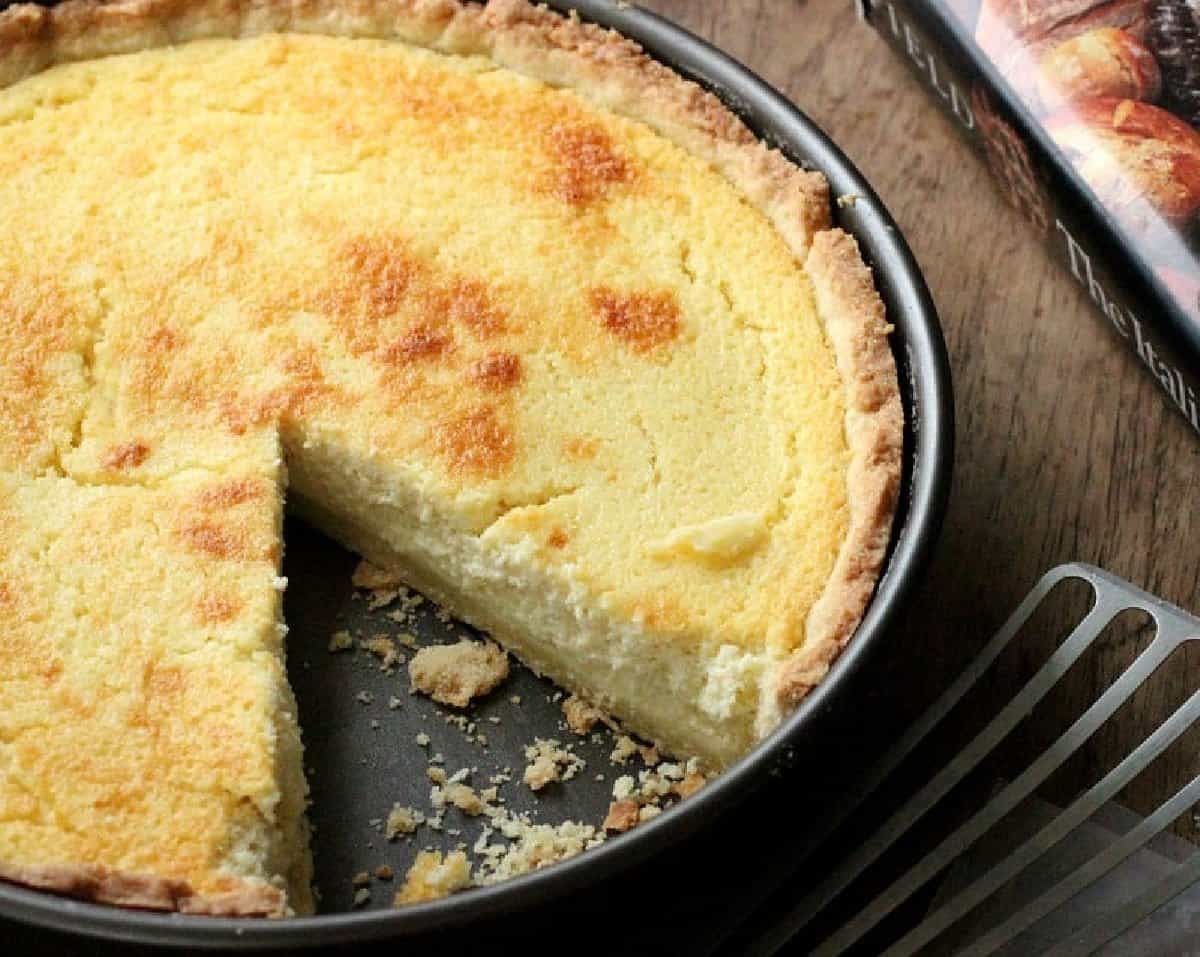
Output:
x=613 y=72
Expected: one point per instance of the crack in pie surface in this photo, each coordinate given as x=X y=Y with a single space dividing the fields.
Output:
x=529 y=319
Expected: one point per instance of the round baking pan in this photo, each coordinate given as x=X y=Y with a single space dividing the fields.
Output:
x=925 y=386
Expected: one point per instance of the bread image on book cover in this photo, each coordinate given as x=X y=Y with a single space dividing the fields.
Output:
x=1117 y=87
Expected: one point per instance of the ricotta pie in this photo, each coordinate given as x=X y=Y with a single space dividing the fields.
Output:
x=496 y=301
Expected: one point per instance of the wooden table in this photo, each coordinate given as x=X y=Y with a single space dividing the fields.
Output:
x=1066 y=448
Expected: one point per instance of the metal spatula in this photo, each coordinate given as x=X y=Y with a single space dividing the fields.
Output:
x=1112 y=597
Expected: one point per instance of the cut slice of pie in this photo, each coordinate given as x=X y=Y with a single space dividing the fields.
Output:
x=536 y=323
x=149 y=752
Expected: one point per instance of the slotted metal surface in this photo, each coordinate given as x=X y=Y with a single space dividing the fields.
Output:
x=1111 y=597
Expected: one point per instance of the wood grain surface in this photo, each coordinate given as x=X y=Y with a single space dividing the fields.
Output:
x=1066 y=450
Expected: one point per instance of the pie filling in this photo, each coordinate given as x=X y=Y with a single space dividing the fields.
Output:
x=562 y=368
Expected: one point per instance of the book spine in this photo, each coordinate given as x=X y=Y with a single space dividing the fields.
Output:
x=1063 y=219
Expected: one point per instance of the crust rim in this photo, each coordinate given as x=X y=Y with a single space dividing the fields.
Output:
x=103 y=885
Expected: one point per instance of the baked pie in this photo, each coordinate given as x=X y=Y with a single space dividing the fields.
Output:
x=496 y=301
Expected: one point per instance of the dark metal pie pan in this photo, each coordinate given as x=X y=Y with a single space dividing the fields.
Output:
x=362 y=752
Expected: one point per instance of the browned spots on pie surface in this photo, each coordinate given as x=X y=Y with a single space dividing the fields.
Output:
x=581 y=448
x=422 y=342
x=126 y=455
x=160 y=340
x=216 y=541
x=230 y=492
x=496 y=371
x=155 y=371
x=213 y=608
x=304 y=387
x=467 y=302
x=586 y=163
x=558 y=539
x=162 y=681
x=476 y=443
x=380 y=270
x=37 y=326
x=52 y=672
x=643 y=320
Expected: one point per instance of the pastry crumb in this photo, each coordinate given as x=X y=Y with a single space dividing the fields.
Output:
x=690 y=784
x=383 y=648
x=549 y=761
x=361 y=897
x=625 y=748
x=402 y=820
x=533 y=846
x=384 y=872
x=422 y=739
x=361 y=879
x=460 y=795
x=434 y=875
x=456 y=674
x=340 y=641
x=622 y=815
x=582 y=715
x=384 y=586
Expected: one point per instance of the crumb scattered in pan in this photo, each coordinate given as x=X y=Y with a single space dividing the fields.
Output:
x=624 y=749
x=649 y=756
x=455 y=674
x=402 y=820
x=375 y=725
x=433 y=876
x=691 y=783
x=394 y=703
x=384 y=586
x=648 y=811
x=361 y=879
x=340 y=641
x=383 y=648
x=532 y=846
x=461 y=796
x=364 y=697
x=622 y=815
x=384 y=872
x=422 y=739
x=582 y=715
x=549 y=761
x=515 y=699
x=848 y=199
x=408 y=640
x=436 y=775
x=361 y=897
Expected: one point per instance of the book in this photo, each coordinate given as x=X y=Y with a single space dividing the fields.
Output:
x=1087 y=113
